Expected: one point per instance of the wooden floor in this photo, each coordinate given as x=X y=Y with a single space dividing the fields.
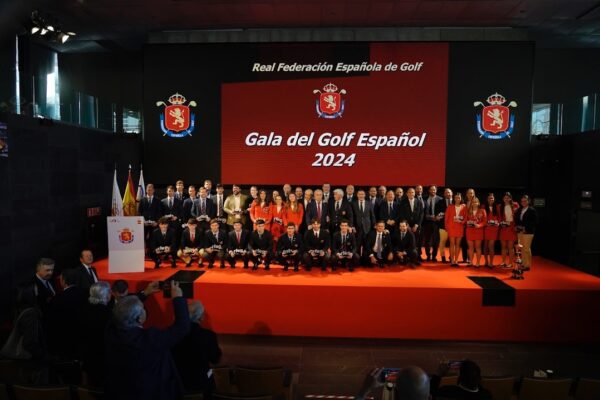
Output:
x=338 y=366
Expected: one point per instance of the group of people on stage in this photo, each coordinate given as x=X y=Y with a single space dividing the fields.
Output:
x=325 y=227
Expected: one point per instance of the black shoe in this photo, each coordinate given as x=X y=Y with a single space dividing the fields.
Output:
x=245 y=266
x=222 y=266
x=418 y=263
x=267 y=267
x=411 y=265
x=296 y=268
x=156 y=265
x=454 y=265
x=351 y=269
x=428 y=258
x=433 y=259
x=286 y=268
x=308 y=269
x=187 y=265
x=323 y=269
x=233 y=267
x=173 y=265
x=381 y=265
x=211 y=266
x=255 y=267
x=444 y=261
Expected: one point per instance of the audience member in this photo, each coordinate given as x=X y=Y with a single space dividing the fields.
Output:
x=139 y=364
x=195 y=354
x=86 y=274
x=95 y=319
x=42 y=281
x=468 y=387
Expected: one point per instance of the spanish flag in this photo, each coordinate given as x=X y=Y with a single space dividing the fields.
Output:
x=129 y=204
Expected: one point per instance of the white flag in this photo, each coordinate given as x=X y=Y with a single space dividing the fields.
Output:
x=117 y=200
x=141 y=190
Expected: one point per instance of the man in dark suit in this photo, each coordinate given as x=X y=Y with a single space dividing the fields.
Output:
x=188 y=204
x=162 y=243
x=403 y=243
x=204 y=210
x=290 y=248
x=364 y=220
x=190 y=247
x=86 y=273
x=419 y=234
x=350 y=196
x=215 y=244
x=441 y=222
x=64 y=318
x=151 y=210
x=180 y=193
x=411 y=210
x=339 y=210
x=139 y=364
x=389 y=211
x=42 y=280
x=317 y=209
x=237 y=245
x=374 y=199
x=260 y=246
x=317 y=246
x=431 y=234
x=172 y=209
x=208 y=187
x=344 y=249
x=379 y=246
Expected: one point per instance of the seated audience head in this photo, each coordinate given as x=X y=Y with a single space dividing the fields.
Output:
x=99 y=293
x=129 y=313
x=469 y=375
x=69 y=278
x=163 y=224
x=120 y=288
x=196 y=310
x=86 y=257
x=45 y=268
x=412 y=383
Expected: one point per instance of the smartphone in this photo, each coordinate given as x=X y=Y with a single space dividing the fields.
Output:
x=389 y=374
x=454 y=364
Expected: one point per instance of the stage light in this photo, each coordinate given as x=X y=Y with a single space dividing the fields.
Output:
x=44 y=31
x=50 y=28
x=63 y=37
x=35 y=30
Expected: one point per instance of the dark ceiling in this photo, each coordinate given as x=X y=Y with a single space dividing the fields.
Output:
x=127 y=23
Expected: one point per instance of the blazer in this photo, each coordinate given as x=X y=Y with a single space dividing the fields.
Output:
x=175 y=209
x=263 y=243
x=336 y=217
x=407 y=244
x=441 y=207
x=414 y=217
x=232 y=243
x=348 y=245
x=44 y=295
x=186 y=240
x=220 y=240
x=186 y=209
x=211 y=208
x=529 y=220
x=375 y=203
x=311 y=242
x=84 y=279
x=364 y=220
x=386 y=243
x=150 y=211
x=228 y=208
x=138 y=361
x=311 y=213
x=427 y=209
x=385 y=214
x=157 y=239
x=284 y=243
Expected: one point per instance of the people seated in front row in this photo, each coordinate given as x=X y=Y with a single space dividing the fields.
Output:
x=237 y=245
x=162 y=243
x=190 y=248
x=404 y=246
x=379 y=246
x=317 y=248
x=344 y=249
x=215 y=244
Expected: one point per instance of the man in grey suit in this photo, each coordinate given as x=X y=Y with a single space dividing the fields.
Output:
x=364 y=220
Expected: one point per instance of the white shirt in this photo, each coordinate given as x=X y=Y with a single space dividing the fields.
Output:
x=508 y=213
x=91 y=272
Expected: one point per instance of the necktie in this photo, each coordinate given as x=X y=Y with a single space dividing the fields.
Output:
x=389 y=208
x=337 y=206
x=432 y=211
x=219 y=205
x=319 y=210
x=412 y=205
x=362 y=207
x=49 y=287
x=378 y=246
x=150 y=200
x=259 y=236
x=238 y=237
x=170 y=202
x=203 y=207
x=192 y=236
x=343 y=239
x=217 y=237
x=317 y=234
x=402 y=236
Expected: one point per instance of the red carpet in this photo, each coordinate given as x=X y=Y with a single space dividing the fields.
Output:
x=554 y=303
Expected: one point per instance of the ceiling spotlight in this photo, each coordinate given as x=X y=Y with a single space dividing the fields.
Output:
x=63 y=37
x=50 y=28
x=44 y=31
x=35 y=30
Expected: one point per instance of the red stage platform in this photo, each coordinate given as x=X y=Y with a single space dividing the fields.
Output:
x=554 y=303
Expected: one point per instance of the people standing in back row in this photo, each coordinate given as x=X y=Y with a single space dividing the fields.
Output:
x=526 y=221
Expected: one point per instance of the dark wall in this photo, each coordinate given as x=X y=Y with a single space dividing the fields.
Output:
x=563 y=167
x=54 y=172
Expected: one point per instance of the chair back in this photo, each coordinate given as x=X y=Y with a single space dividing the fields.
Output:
x=450 y=380
x=500 y=388
x=259 y=382
x=84 y=393
x=547 y=389
x=22 y=392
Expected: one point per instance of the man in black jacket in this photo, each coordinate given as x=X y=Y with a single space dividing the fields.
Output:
x=290 y=247
x=43 y=282
x=151 y=210
x=339 y=210
x=431 y=234
x=378 y=246
x=215 y=244
x=86 y=273
x=344 y=249
x=364 y=221
x=411 y=210
x=317 y=246
x=404 y=246
x=190 y=247
x=162 y=244
x=139 y=361
x=260 y=246
x=237 y=245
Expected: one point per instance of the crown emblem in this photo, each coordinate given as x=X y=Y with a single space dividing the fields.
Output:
x=177 y=99
x=330 y=88
x=496 y=99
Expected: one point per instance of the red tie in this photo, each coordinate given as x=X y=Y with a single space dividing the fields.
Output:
x=319 y=211
x=238 y=237
x=192 y=236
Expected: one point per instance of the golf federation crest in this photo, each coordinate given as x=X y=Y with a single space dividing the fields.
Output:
x=125 y=236
x=177 y=120
x=495 y=120
x=330 y=103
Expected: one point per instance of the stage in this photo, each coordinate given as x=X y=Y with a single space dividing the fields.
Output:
x=554 y=303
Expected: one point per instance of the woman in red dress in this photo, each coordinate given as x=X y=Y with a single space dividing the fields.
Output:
x=492 y=228
x=508 y=234
x=261 y=209
x=455 y=225
x=294 y=212
x=277 y=211
x=476 y=221
x=274 y=195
